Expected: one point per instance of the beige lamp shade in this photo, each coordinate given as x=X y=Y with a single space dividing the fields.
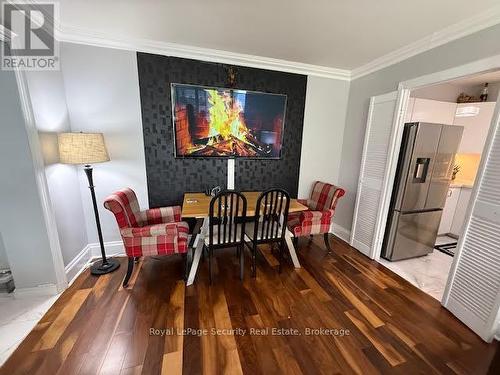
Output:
x=82 y=148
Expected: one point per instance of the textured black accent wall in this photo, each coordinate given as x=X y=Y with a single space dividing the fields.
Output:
x=168 y=177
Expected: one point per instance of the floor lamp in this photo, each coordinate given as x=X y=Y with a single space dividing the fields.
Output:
x=86 y=149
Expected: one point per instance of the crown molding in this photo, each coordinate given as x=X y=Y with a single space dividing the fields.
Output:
x=73 y=34
x=453 y=32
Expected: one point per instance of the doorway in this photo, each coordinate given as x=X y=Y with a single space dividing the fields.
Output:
x=472 y=291
x=468 y=104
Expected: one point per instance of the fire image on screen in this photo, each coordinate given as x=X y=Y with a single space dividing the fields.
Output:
x=227 y=122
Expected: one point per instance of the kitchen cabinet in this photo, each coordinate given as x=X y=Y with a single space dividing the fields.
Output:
x=449 y=210
x=433 y=111
x=454 y=211
x=460 y=211
x=475 y=127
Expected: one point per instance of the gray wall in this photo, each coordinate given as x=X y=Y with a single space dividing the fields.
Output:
x=48 y=99
x=4 y=263
x=21 y=219
x=473 y=47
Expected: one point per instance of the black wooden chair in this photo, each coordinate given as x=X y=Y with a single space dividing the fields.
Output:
x=269 y=225
x=226 y=226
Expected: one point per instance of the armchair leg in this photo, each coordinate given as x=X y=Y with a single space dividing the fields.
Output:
x=130 y=268
x=327 y=243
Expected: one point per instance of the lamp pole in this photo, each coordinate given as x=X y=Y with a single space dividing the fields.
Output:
x=104 y=265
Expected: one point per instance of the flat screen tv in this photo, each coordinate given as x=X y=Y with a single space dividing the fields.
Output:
x=220 y=122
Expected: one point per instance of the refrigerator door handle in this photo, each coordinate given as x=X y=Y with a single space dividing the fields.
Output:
x=421 y=170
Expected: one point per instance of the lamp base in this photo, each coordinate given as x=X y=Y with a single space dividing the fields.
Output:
x=98 y=268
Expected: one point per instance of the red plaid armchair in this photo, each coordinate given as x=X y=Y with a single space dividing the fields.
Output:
x=157 y=231
x=319 y=217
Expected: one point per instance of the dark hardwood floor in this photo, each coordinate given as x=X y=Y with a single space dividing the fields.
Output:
x=96 y=326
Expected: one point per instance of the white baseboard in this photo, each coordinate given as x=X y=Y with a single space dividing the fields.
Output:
x=89 y=253
x=41 y=290
x=341 y=232
x=113 y=248
x=78 y=264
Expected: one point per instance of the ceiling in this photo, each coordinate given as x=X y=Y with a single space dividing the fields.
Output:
x=332 y=33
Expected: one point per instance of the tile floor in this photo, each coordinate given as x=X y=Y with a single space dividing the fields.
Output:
x=428 y=273
x=18 y=316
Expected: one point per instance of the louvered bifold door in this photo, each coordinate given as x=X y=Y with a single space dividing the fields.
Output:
x=473 y=292
x=373 y=172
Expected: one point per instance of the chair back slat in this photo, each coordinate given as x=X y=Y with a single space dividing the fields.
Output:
x=271 y=215
x=238 y=210
x=264 y=222
x=227 y=216
x=275 y=212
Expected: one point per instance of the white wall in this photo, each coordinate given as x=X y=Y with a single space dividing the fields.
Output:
x=445 y=92
x=324 y=121
x=493 y=90
x=102 y=95
x=22 y=223
x=473 y=47
x=48 y=98
x=449 y=92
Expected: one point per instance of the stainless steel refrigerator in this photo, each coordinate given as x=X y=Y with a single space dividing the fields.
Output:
x=422 y=181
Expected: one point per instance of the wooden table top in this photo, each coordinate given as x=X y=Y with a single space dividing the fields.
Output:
x=196 y=205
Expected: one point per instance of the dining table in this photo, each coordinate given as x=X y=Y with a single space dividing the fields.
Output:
x=197 y=205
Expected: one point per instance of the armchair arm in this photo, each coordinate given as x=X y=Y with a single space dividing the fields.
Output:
x=161 y=215
x=317 y=216
x=168 y=229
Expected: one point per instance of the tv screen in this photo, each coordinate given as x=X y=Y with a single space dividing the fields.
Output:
x=219 y=122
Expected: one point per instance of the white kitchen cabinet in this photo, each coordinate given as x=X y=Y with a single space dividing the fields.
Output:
x=449 y=211
x=433 y=111
x=475 y=127
x=460 y=211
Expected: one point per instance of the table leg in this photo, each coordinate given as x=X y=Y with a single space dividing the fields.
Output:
x=198 y=245
x=291 y=249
